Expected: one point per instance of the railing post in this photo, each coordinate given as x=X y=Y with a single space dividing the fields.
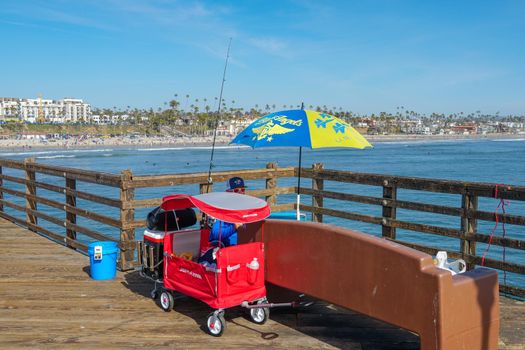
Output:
x=1 y=192
x=127 y=217
x=469 y=203
x=317 y=185
x=71 y=202
x=389 y=211
x=205 y=188
x=271 y=183
x=31 y=220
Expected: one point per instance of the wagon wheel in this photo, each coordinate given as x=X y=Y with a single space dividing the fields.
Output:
x=259 y=315
x=216 y=324
x=166 y=301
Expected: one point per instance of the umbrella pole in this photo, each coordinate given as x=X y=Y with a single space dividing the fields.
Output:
x=299 y=185
x=299 y=179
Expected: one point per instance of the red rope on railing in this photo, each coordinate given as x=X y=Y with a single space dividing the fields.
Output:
x=501 y=204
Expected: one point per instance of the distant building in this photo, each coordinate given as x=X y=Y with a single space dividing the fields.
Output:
x=67 y=110
x=108 y=119
x=32 y=136
x=468 y=128
x=9 y=108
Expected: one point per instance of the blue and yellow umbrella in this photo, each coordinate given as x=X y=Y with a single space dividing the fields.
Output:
x=300 y=128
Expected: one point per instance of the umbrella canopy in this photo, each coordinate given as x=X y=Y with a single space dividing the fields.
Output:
x=300 y=128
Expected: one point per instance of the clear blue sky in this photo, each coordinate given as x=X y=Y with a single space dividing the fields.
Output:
x=365 y=56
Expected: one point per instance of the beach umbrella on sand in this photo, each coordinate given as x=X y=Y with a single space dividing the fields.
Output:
x=300 y=128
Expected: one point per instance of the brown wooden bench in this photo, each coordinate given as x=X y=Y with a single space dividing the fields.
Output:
x=383 y=280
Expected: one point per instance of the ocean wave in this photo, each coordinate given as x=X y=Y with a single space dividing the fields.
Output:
x=57 y=156
x=508 y=140
x=155 y=149
x=56 y=151
x=160 y=149
x=415 y=142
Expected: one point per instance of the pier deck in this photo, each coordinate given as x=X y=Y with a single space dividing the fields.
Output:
x=47 y=300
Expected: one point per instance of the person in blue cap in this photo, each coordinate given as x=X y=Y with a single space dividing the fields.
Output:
x=226 y=232
x=223 y=234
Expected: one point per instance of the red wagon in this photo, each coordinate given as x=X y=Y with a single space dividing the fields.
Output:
x=236 y=278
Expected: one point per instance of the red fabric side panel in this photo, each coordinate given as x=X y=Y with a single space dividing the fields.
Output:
x=234 y=216
x=190 y=278
x=240 y=283
x=204 y=243
x=235 y=286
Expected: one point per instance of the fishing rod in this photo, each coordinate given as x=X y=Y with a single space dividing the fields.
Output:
x=218 y=116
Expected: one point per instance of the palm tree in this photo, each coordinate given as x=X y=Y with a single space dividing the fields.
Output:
x=186 y=105
x=174 y=104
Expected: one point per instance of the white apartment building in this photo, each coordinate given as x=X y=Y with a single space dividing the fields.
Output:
x=9 y=108
x=67 y=110
x=108 y=119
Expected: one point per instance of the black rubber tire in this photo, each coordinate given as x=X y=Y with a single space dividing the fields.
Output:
x=216 y=325
x=166 y=301
x=259 y=315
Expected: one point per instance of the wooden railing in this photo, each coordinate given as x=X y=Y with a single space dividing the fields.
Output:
x=122 y=228
x=467 y=212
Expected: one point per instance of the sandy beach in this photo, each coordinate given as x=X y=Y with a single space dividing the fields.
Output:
x=164 y=141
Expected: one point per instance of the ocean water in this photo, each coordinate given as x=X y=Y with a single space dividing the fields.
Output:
x=493 y=161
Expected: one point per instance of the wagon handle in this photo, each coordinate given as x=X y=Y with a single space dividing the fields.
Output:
x=292 y=304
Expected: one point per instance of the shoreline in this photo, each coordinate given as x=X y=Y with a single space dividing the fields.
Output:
x=10 y=145
x=457 y=137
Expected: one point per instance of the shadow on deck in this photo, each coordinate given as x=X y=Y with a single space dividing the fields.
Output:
x=47 y=300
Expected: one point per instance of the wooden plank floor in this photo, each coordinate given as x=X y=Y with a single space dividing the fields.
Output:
x=48 y=301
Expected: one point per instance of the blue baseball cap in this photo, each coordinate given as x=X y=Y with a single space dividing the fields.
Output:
x=235 y=182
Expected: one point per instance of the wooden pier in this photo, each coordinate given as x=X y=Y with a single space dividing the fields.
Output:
x=48 y=300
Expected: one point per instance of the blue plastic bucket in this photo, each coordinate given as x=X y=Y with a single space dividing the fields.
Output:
x=103 y=260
